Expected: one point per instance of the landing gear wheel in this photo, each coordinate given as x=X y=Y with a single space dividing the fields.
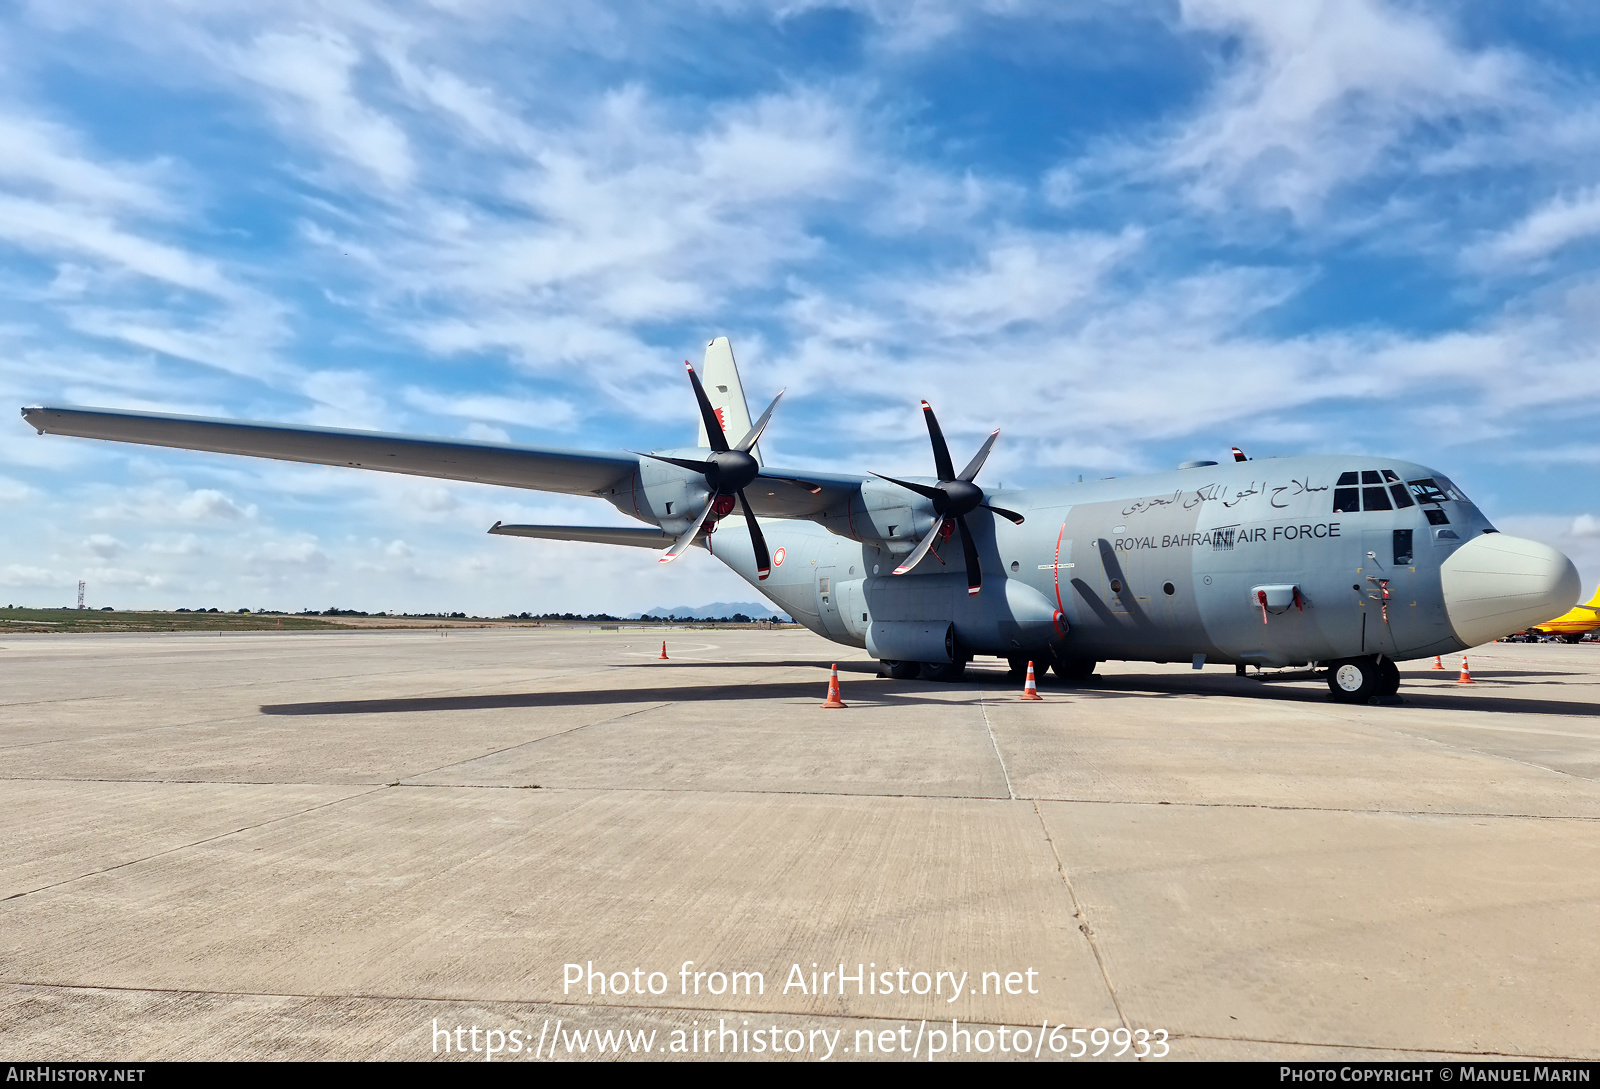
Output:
x=1388 y=678
x=901 y=671
x=943 y=671
x=1075 y=670
x=1354 y=680
x=1019 y=667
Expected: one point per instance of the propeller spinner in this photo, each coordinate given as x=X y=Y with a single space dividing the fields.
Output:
x=954 y=497
x=728 y=471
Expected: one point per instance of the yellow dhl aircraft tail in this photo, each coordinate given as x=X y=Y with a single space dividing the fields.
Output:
x=1573 y=623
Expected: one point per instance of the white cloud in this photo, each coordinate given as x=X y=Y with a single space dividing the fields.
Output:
x=546 y=412
x=1548 y=228
x=1326 y=93
x=311 y=72
x=1585 y=525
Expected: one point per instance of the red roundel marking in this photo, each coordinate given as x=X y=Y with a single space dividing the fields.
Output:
x=777 y=558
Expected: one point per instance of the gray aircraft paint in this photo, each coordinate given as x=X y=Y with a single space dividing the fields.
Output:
x=1162 y=567
x=1103 y=554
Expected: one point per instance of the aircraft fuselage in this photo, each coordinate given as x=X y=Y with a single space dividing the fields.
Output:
x=1262 y=562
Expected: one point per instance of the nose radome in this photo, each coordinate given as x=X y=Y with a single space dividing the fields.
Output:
x=1494 y=585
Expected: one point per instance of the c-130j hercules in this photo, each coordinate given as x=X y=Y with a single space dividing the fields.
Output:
x=1349 y=564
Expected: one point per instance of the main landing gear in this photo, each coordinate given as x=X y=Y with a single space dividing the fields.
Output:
x=1357 y=680
x=928 y=671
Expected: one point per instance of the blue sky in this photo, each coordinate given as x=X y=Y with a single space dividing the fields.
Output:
x=1127 y=234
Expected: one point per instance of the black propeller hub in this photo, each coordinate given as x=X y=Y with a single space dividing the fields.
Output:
x=960 y=497
x=730 y=470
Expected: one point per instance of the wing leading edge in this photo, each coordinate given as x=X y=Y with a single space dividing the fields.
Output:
x=575 y=472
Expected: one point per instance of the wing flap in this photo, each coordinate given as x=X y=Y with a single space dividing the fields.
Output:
x=615 y=535
x=574 y=472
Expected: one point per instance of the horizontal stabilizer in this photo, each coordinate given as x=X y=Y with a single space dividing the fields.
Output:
x=640 y=537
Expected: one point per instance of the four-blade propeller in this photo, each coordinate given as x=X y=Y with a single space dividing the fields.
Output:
x=728 y=471
x=954 y=497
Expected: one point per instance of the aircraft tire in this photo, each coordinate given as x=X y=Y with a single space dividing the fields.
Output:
x=1018 y=667
x=902 y=671
x=1355 y=680
x=1075 y=670
x=1572 y=638
x=1388 y=678
x=943 y=671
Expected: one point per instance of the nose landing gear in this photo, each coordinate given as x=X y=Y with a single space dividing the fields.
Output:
x=1357 y=680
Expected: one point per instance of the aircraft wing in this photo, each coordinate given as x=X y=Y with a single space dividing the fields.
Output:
x=781 y=493
x=574 y=472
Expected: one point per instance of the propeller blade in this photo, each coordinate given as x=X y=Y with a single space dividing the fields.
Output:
x=714 y=435
x=941 y=452
x=970 y=551
x=922 y=547
x=757 y=540
x=682 y=543
x=697 y=466
x=1002 y=512
x=921 y=489
x=760 y=425
x=979 y=458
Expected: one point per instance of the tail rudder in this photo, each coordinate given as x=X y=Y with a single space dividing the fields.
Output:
x=720 y=376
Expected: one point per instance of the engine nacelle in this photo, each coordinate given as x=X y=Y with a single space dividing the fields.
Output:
x=882 y=514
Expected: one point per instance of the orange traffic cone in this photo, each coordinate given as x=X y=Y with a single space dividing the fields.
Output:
x=833 y=699
x=1466 y=675
x=1030 y=691
x=1437 y=664
x=663 y=649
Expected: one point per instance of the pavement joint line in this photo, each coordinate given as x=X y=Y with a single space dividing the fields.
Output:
x=446 y=999
x=533 y=741
x=193 y=843
x=1382 y=1047
x=1455 y=747
x=996 y=746
x=403 y=783
x=1083 y=920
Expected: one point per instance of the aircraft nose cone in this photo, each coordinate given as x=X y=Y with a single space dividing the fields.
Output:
x=1494 y=585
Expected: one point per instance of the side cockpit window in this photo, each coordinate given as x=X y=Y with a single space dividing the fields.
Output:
x=1346 y=497
x=1430 y=495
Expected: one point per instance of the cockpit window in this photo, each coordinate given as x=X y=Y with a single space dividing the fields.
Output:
x=1428 y=491
x=1451 y=490
x=1402 y=498
x=1346 y=498
x=1375 y=498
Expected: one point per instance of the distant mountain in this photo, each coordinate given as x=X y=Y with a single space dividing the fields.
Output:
x=758 y=610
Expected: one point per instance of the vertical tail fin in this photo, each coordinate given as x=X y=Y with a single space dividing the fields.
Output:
x=720 y=376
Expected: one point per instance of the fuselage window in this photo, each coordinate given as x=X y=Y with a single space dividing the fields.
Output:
x=1346 y=500
x=1402 y=548
x=1374 y=496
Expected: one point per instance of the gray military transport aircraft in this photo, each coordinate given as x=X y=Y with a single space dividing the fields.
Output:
x=1348 y=564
